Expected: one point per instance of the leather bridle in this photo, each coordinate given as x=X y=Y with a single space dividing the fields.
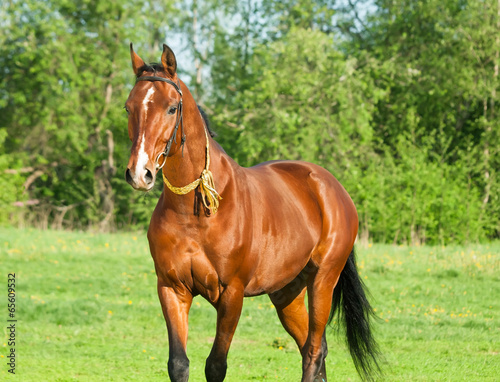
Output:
x=178 y=121
x=209 y=196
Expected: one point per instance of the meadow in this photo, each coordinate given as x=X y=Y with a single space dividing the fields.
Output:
x=87 y=310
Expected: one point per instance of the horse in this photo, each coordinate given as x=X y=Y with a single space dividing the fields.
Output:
x=281 y=228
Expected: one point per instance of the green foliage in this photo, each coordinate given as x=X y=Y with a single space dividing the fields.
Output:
x=402 y=111
x=11 y=183
x=441 y=92
x=411 y=198
x=63 y=86
x=398 y=99
x=308 y=102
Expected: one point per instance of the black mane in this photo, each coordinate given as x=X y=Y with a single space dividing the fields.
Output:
x=152 y=67
x=207 y=122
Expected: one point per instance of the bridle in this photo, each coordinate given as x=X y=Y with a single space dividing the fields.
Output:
x=178 y=120
x=209 y=196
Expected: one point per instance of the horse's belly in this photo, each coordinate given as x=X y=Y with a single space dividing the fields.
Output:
x=279 y=261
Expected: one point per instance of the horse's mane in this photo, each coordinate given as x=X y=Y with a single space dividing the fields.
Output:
x=152 y=67
x=207 y=122
x=155 y=68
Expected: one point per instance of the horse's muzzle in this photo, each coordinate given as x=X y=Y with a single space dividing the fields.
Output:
x=142 y=182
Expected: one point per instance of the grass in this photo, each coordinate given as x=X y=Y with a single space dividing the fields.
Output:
x=88 y=311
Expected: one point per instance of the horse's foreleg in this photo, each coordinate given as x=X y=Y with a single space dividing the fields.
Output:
x=175 y=304
x=228 y=314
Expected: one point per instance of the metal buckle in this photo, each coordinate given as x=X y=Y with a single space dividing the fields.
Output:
x=158 y=167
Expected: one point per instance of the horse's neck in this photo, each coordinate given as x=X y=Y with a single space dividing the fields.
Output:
x=185 y=166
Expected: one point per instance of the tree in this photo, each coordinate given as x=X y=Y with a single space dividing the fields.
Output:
x=63 y=83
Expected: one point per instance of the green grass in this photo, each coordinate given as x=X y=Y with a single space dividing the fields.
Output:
x=88 y=311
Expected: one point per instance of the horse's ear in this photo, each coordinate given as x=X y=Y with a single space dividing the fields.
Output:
x=168 y=60
x=137 y=62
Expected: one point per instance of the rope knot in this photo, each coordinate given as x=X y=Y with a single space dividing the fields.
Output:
x=209 y=195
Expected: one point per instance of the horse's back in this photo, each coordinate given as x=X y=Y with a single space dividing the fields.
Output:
x=307 y=179
x=311 y=187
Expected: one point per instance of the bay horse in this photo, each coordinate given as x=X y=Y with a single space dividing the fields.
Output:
x=226 y=232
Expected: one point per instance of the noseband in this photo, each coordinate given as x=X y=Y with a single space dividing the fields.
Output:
x=178 y=120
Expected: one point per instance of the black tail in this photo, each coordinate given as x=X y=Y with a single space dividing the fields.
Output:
x=355 y=313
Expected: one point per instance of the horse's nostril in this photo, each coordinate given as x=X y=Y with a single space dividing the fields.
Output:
x=148 y=177
x=128 y=177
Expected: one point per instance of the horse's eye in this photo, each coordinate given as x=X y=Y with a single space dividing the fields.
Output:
x=126 y=109
x=172 y=110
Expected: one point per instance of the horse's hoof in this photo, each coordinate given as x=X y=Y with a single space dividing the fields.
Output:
x=320 y=378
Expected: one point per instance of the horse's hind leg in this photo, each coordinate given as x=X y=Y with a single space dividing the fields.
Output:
x=321 y=377
x=292 y=313
x=320 y=293
x=290 y=306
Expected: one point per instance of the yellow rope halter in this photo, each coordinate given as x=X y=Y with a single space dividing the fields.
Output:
x=209 y=195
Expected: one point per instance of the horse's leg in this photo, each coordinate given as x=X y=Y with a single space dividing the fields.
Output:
x=320 y=293
x=228 y=314
x=292 y=312
x=175 y=304
x=324 y=348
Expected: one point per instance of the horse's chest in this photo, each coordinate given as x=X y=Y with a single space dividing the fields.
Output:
x=181 y=261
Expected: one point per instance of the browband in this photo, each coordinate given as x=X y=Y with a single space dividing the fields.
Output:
x=154 y=78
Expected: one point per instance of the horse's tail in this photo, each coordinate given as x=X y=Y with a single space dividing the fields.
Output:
x=352 y=308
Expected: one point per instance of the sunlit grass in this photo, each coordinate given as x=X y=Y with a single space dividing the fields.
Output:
x=87 y=310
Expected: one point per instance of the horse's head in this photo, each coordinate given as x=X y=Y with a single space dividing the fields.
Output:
x=154 y=109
